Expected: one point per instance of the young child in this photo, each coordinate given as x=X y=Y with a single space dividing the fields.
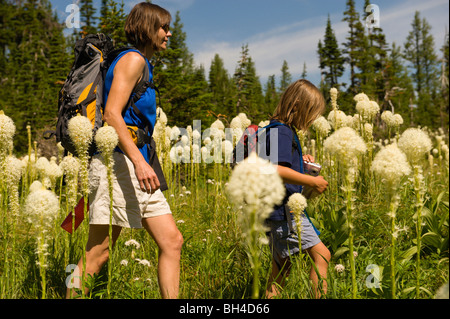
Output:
x=299 y=106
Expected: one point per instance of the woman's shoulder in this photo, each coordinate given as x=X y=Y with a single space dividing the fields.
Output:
x=131 y=58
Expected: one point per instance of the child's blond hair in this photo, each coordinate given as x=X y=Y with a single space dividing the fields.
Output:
x=300 y=105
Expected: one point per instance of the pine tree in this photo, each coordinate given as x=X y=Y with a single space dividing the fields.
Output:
x=286 y=77
x=444 y=84
x=352 y=47
x=375 y=65
x=419 y=51
x=221 y=88
x=35 y=64
x=249 y=97
x=88 y=19
x=271 y=95
x=304 y=72
x=112 y=22
x=183 y=87
x=399 y=88
x=331 y=59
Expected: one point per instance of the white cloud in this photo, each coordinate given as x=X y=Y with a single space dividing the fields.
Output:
x=297 y=42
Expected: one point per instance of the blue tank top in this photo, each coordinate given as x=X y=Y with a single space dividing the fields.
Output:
x=146 y=104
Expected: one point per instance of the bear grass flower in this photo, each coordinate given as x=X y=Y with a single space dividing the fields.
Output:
x=7 y=131
x=415 y=143
x=249 y=188
x=70 y=166
x=337 y=119
x=345 y=144
x=12 y=176
x=80 y=132
x=41 y=208
x=106 y=140
x=367 y=109
x=245 y=122
x=321 y=126
x=247 y=185
x=297 y=204
x=391 y=165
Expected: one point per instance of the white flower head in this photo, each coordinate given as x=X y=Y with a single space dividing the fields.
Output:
x=361 y=97
x=245 y=122
x=397 y=119
x=333 y=93
x=132 y=242
x=367 y=109
x=80 y=132
x=7 y=131
x=106 y=140
x=162 y=117
x=337 y=119
x=297 y=203
x=41 y=205
x=345 y=144
x=391 y=165
x=248 y=186
x=321 y=126
x=415 y=143
x=218 y=125
x=339 y=268
x=236 y=123
x=264 y=123
x=14 y=171
x=70 y=165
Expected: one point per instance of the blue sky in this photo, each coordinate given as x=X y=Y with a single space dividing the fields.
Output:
x=282 y=30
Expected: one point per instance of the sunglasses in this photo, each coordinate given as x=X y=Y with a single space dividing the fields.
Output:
x=166 y=27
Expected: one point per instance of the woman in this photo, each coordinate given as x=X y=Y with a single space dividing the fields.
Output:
x=138 y=201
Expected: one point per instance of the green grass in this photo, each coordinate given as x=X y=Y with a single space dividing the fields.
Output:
x=214 y=262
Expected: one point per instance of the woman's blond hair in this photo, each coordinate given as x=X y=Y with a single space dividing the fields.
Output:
x=143 y=23
x=300 y=105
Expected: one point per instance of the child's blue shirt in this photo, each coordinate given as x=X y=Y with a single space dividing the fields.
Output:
x=289 y=156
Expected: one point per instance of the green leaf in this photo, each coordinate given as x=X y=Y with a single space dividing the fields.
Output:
x=340 y=251
x=407 y=254
x=432 y=239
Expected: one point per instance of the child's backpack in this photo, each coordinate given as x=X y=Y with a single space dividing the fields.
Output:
x=248 y=142
x=82 y=92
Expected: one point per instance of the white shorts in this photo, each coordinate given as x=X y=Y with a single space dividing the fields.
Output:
x=130 y=203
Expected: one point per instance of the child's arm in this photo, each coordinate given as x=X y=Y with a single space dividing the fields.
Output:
x=290 y=176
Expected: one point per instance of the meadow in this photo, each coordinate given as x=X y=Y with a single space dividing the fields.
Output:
x=388 y=236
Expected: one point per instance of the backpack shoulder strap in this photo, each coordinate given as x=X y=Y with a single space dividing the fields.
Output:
x=295 y=140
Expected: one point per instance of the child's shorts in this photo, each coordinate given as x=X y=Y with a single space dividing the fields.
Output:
x=284 y=242
x=130 y=203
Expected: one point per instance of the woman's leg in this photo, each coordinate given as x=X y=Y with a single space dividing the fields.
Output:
x=97 y=253
x=321 y=257
x=169 y=240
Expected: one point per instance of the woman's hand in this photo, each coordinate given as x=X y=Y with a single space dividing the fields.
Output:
x=146 y=176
